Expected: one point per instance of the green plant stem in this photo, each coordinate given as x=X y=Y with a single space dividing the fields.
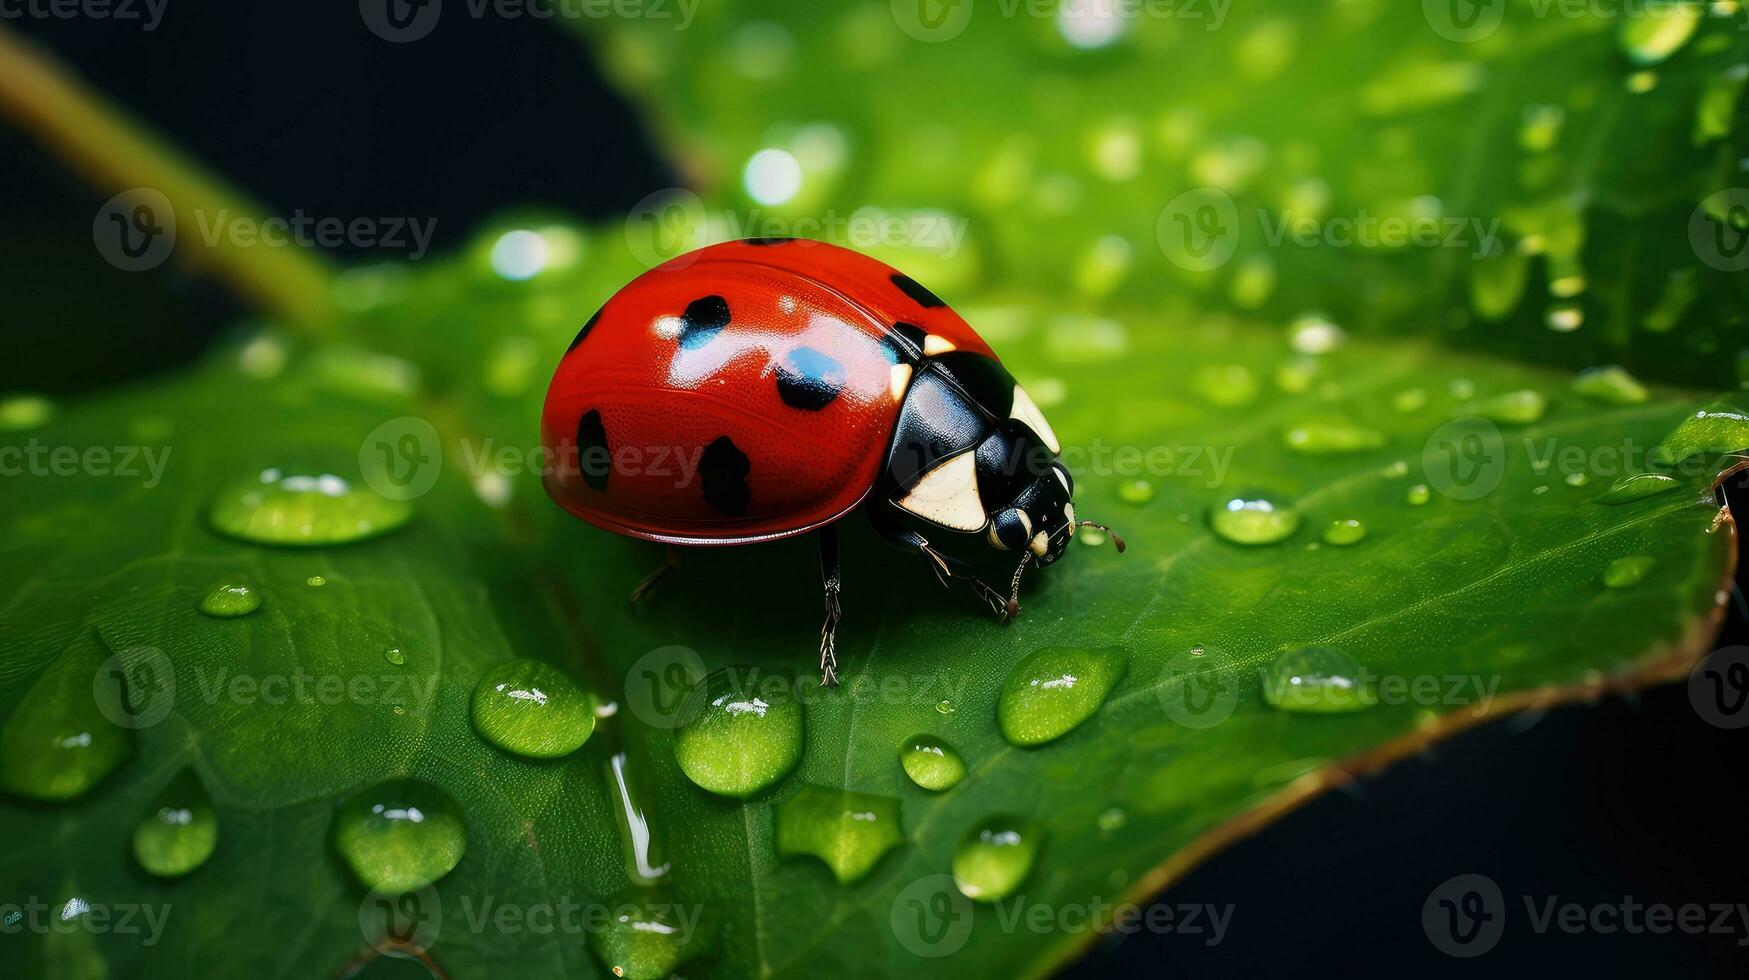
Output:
x=113 y=153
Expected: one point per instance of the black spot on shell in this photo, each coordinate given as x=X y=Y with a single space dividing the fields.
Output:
x=765 y=241
x=703 y=320
x=808 y=379
x=585 y=331
x=916 y=291
x=594 y=460
x=904 y=343
x=723 y=469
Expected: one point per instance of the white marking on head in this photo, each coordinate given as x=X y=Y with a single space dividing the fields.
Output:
x=948 y=495
x=669 y=327
x=1041 y=543
x=1025 y=528
x=1069 y=513
x=1026 y=410
x=898 y=380
x=934 y=344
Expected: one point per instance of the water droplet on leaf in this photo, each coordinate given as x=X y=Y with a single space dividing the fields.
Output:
x=742 y=735
x=1638 y=486
x=992 y=860
x=279 y=509
x=1624 y=572
x=230 y=601
x=400 y=835
x=1512 y=408
x=1253 y=520
x=180 y=832
x=931 y=763
x=1612 y=385
x=1345 y=532
x=1052 y=690
x=849 y=831
x=1325 y=438
x=1319 y=680
x=532 y=708
x=646 y=936
x=1418 y=495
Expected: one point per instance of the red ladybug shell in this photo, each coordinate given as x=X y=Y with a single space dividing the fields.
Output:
x=743 y=392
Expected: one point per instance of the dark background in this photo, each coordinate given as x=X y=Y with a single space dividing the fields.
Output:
x=303 y=108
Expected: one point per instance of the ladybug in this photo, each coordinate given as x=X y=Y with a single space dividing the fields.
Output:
x=765 y=388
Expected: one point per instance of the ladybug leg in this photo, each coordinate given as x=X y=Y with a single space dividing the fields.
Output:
x=833 y=579
x=944 y=568
x=648 y=584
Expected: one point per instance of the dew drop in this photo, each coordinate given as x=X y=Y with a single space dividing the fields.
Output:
x=1111 y=819
x=1638 y=486
x=58 y=743
x=1344 y=532
x=1226 y=385
x=1092 y=537
x=1320 y=680
x=1254 y=520
x=1329 y=438
x=1052 y=690
x=849 y=831
x=1565 y=317
x=400 y=835
x=931 y=763
x=944 y=706
x=646 y=936
x=1134 y=492
x=395 y=656
x=1577 y=478
x=532 y=708
x=1409 y=400
x=230 y=601
x=992 y=860
x=742 y=734
x=315 y=581
x=1612 y=385
x=280 y=509
x=1512 y=408
x=1418 y=495
x=180 y=832
x=1315 y=334
x=1624 y=572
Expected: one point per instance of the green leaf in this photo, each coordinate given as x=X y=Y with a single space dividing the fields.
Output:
x=1491 y=594
x=1533 y=162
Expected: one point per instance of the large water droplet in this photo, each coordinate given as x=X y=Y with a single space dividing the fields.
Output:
x=180 y=832
x=1324 y=438
x=647 y=935
x=1612 y=385
x=931 y=763
x=1638 y=486
x=847 y=830
x=1253 y=520
x=400 y=835
x=230 y=601
x=1718 y=428
x=995 y=857
x=58 y=742
x=1052 y=690
x=280 y=509
x=1624 y=572
x=1345 y=532
x=1316 y=680
x=743 y=732
x=532 y=708
x=1513 y=407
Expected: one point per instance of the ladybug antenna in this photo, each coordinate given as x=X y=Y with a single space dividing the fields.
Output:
x=1114 y=537
x=1013 y=608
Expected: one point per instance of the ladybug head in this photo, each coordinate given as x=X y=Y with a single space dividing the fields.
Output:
x=1039 y=521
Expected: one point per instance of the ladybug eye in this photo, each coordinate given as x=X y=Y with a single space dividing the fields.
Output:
x=1010 y=529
